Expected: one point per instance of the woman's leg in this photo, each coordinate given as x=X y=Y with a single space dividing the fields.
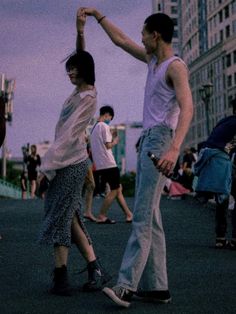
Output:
x=60 y=255
x=89 y=189
x=32 y=188
x=97 y=276
x=81 y=241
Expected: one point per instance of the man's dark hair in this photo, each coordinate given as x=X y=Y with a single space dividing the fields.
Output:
x=233 y=103
x=162 y=24
x=83 y=62
x=107 y=109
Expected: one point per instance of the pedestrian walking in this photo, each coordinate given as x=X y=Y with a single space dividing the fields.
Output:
x=2 y=124
x=214 y=171
x=167 y=114
x=65 y=164
x=89 y=186
x=24 y=184
x=33 y=161
x=105 y=165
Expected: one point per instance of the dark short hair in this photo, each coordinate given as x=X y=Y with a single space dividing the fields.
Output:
x=162 y=24
x=84 y=63
x=107 y=109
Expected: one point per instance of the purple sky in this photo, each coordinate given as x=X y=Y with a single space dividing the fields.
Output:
x=36 y=35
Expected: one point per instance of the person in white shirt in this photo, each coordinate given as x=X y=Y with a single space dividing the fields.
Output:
x=65 y=164
x=105 y=165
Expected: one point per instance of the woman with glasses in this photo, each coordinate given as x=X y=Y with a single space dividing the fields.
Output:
x=65 y=165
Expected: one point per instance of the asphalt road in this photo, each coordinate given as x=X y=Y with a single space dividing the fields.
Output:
x=201 y=279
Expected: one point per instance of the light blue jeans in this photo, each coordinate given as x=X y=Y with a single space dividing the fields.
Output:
x=144 y=261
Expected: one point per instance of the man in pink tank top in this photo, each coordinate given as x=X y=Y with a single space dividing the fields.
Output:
x=167 y=114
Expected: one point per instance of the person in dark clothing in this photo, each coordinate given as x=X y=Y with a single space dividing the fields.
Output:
x=2 y=124
x=24 y=184
x=232 y=243
x=33 y=161
x=2 y=121
x=215 y=174
x=187 y=176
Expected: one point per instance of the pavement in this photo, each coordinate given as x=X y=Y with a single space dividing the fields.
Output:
x=202 y=279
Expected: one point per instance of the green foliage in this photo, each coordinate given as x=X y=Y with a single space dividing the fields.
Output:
x=13 y=175
x=128 y=184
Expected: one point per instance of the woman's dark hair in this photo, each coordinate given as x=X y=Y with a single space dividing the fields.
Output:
x=107 y=109
x=162 y=24
x=83 y=62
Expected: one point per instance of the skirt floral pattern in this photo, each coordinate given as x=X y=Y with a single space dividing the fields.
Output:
x=63 y=201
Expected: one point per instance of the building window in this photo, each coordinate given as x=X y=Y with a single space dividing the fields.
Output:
x=173 y=10
x=226 y=11
x=175 y=34
x=234 y=78
x=175 y=21
x=234 y=25
x=234 y=56
x=229 y=81
x=221 y=35
x=234 y=7
x=227 y=31
x=220 y=16
x=228 y=60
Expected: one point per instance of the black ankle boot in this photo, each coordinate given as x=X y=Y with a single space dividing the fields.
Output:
x=97 y=277
x=60 y=282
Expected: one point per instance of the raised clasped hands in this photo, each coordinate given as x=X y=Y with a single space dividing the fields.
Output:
x=80 y=19
x=88 y=11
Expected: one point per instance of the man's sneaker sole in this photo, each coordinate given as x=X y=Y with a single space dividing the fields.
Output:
x=153 y=298
x=111 y=295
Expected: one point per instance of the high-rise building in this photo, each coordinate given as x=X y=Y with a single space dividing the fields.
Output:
x=209 y=49
x=207 y=43
x=169 y=7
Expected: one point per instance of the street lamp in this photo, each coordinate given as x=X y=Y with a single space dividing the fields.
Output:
x=6 y=93
x=206 y=92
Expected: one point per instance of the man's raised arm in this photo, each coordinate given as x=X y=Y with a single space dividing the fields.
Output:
x=117 y=36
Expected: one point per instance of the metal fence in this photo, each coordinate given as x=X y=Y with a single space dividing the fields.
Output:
x=9 y=190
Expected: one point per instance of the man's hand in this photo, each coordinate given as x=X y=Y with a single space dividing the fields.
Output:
x=80 y=20
x=167 y=161
x=115 y=140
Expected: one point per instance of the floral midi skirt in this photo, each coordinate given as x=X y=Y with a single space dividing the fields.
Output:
x=63 y=201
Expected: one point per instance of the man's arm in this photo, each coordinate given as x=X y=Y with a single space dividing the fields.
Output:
x=113 y=143
x=80 y=22
x=118 y=37
x=177 y=75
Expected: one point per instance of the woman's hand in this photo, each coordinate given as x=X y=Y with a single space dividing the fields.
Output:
x=80 y=20
x=92 y=12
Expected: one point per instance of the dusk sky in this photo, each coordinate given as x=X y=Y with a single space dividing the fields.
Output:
x=36 y=35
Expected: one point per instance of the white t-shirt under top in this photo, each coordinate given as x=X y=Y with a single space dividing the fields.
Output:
x=103 y=158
